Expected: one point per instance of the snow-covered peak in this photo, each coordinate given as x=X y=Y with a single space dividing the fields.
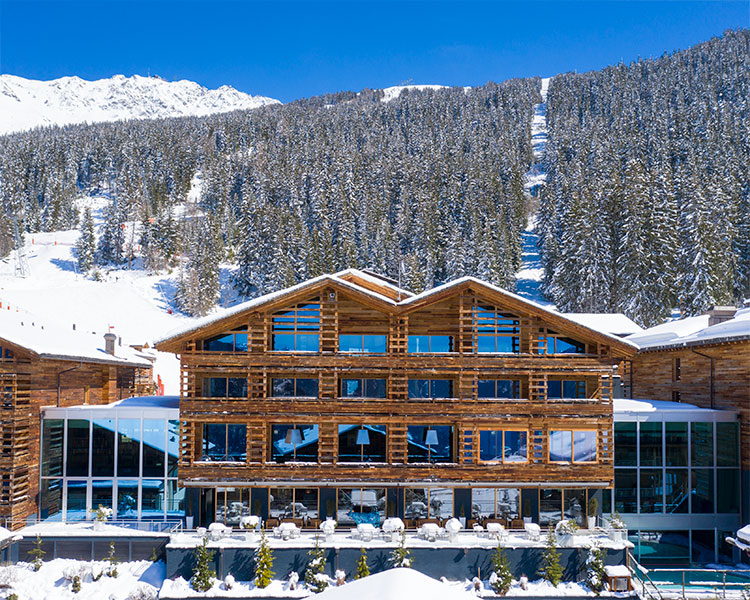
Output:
x=27 y=103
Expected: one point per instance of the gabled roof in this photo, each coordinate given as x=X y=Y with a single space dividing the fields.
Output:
x=380 y=295
x=24 y=332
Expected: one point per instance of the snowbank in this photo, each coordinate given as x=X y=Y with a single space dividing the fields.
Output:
x=396 y=584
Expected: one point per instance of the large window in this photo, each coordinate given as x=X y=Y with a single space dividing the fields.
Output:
x=625 y=444
x=727 y=444
x=52 y=447
x=423 y=503
x=676 y=491
x=430 y=443
x=676 y=442
x=701 y=444
x=232 y=504
x=287 y=387
x=362 y=443
x=234 y=341
x=503 y=446
x=651 y=491
x=128 y=447
x=225 y=387
x=626 y=494
x=496 y=331
x=293 y=503
x=430 y=388
x=363 y=388
x=224 y=442
x=365 y=343
x=572 y=446
x=493 y=503
x=651 y=439
x=294 y=443
x=361 y=505
x=78 y=448
x=566 y=389
x=430 y=343
x=154 y=446
x=556 y=343
x=103 y=448
x=702 y=490
x=550 y=507
x=297 y=329
x=499 y=388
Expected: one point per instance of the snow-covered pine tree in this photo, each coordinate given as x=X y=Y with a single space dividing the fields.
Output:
x=112 y=240
x=85 y=247
x=198 y=288
x=551 y=569
x=315 y=577
x=203 y=575
x=501 y=577
x=363 y=569
x=263 y=563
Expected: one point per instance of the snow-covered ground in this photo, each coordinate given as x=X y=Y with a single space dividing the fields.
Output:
x=27 y=103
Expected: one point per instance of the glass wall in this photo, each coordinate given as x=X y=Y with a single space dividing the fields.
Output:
x=362 y=443
x=363 y=388
x=362 y=343
x=294 y=443
x=503 y=446
x=430 y=388
x=430 y=444
x=224 y=442
x=293 y=503
x=124 y=463
x=495 y=503
x=430 y=343
x=424 y=503
x=360 y=505
x=297 y=329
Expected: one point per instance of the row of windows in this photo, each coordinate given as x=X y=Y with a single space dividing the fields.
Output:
x=368 y=443
x=304 y=387
x=5 y=353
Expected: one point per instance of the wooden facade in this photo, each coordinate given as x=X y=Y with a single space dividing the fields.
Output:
x=29 y=382
x=350 y=305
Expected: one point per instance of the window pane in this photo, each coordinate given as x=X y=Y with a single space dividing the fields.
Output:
x=507 y=388
x=575 y=506
x=306 y=503
x=351 y=388
x=584 y=446
x=651 y=444
x=441 y=503
x=76 y=500
x=374 y=343
x=127 y=499
x=728 y=496
x=220 y=343
x=101 y=494
x=569 y=346
x=560 y=445
x=128 y=447
x=282 y=387
x=554 y=389
x=240 y=342
x=727 y=444
x=508 y=503
x=103 y=448
x=701 y=444
x=486 y=388
x=175 y=499
x=441 y=343
x=482 y=503
x=664 y=548
x=215 y=387
x=50 y=499
x=676 y=491
x=507 y=343
x=152 y=498
x=419 y=388
x=419 y=343
x=550 y=507
x=78 y=448
x=420 y=450
x=702 y=490
x=574 y=389
x=625 y=444
x=308 y=342
x=214 y=441
x=360 y=506
x=415 y=502
x=515 y=446
x=307 y=388
x=625 y=491
x=283 y=342
x=154 y=447
x=237 y=442
x=703 y=546
x=651 y=501
x=280 y=502
x=52 y=447
x=350 y=343
x=304 y=450
x=441 y=388
x=352 y=450
x=491 y=445
x=375 y=388
x=486 y=343
x=676 y=440
x=237 y=387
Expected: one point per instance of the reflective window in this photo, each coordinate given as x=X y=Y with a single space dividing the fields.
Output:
x=422 y=503
x=703 y=545
x=285 y=387
x=651 y=491
x=225 y=387
x=676 y=442
x=296 y=329
x=128 y=447
x=231 y=505
x=430 y=388
x=294 y=443
x=127 y=499
x=173 y=447
x=361 y=505
x=727 y=444
x=499 y=388
x=664 y=548
x=550 y=507
x=626 y=497
x=152 y=500
x=78 y=448
x=52 y=447
x=175 y=499
x=651 y=444
x=430 y=343
x=227 y=342
x=701 y=444
x=293 y=503
x=50 y=499
x=625 y=444
x=564 y=345
x=702 y=490
x=493 y=503
x=225 y=442
x=676 y=491
x=584 y=446
x=496 y=331
x=76 y=500
x=363 y=343
x=103 y=448
x=561 y=446
x=154 y=446
x=363 y=388
x=101 y=494
x=566 y=389
x=432 y=444
x=575 y=505
x=362 y=443
x=728 y=491
x=503 y=446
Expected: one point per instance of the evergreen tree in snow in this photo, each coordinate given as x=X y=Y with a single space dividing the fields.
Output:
x=198 y=289
x=85 y=247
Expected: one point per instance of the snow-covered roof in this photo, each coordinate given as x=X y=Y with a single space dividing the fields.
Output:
x=6 y=535
x=51 y=341
x=617 y=571
x=613 y=323
x=386 y=301
x=624 y=407
x=694 y=331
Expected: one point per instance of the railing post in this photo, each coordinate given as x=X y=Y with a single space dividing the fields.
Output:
x=724 y=584
x=683 y=584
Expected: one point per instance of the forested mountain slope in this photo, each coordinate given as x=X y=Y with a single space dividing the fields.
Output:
x=647 y=202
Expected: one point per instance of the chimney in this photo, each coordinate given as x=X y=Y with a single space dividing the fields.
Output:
x=109 y=343
x=719 y=314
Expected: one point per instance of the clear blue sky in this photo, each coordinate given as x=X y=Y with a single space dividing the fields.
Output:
x=289 y=50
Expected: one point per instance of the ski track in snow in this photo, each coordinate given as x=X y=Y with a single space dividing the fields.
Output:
x=529 y=277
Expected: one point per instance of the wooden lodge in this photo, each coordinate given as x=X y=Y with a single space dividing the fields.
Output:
x=345 y=395
x=44 y=366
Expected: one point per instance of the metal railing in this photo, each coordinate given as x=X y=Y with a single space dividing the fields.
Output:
x=156 y=526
